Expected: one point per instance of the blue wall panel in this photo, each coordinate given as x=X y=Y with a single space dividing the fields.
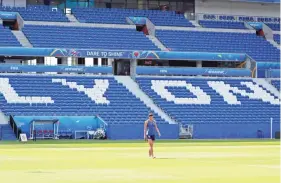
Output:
x=274 y=73
x=256 y=25
x=47 y=68
x=138 y=20
x=221 y=131
x=268 y=65
x=8 y=15
x=168 y=131
x=261 y=73
x=135 y=131
x=192 y=71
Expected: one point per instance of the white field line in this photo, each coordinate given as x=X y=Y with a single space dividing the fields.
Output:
x=160 y=155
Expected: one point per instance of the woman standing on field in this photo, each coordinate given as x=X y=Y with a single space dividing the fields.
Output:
x=150 y=127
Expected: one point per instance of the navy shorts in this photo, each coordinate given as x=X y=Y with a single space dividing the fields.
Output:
x=152 y=137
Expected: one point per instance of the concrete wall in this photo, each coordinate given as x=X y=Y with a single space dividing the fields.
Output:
x=236 y=8
x=16 y=3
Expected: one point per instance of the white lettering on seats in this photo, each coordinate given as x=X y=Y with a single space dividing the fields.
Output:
x=95 y=94
x=159 y=87
x=12 y=96
x=258 y=92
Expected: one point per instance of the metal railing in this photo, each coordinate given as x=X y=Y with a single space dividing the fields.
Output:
x=252 y=66
x=14 y=126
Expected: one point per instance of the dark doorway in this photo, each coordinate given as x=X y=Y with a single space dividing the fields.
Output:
x=121 y=67
x=11 y=24
x=81 y=61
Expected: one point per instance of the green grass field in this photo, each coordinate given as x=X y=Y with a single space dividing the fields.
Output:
x=181 y=161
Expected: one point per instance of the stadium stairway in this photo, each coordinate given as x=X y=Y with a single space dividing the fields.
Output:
x=71 y=18
x=22 y=38
x=133 y=87
x=267 y=85
x=157 y=42
x=6 y=132
x=3 y=118
x=276 y=45
x=195 y=23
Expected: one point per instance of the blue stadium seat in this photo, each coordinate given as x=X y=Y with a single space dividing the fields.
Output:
x=38 y=13
x=276 y=84
x=198 y=41
x=118 y=16
x=222 y=24
x=87 y=37
x=218 y=110
x=276 y=38
x=7 y=38
x=274 y=26
x=71 y=102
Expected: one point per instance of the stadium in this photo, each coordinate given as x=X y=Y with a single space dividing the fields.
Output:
x=155 y=91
